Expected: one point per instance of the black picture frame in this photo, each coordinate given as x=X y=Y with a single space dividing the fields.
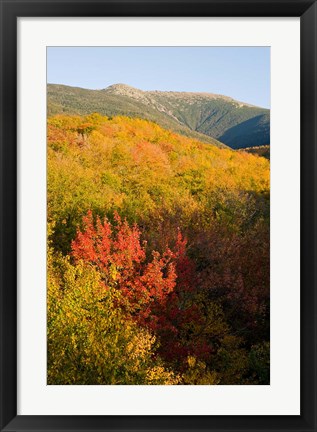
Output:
x=10 y=11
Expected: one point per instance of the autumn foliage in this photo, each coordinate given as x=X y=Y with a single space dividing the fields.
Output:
x=158 y=263
x=117 y=254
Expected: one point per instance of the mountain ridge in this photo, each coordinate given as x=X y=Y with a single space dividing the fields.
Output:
x=126 y=89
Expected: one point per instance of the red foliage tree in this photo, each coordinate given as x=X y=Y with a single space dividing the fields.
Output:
x=121 y=259
x=181 y=311
x=157 y=294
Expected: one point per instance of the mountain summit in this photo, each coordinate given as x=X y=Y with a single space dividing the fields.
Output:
x=123 y=89
x=126 y=90
x=205 y=116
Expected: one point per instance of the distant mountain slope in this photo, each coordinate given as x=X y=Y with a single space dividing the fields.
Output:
x=205 y=116
x=263 y=151
x=73 y=100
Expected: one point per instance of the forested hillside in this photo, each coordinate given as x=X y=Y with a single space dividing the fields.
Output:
x=204 y=116
x=158 y=256
x=72 y=100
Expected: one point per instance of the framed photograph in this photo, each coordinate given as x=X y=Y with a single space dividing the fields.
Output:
x=158 y=234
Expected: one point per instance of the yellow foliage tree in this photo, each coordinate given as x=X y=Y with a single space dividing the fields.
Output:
x=89 y=339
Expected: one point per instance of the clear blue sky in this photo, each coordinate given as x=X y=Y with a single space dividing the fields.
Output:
x=240 y=72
